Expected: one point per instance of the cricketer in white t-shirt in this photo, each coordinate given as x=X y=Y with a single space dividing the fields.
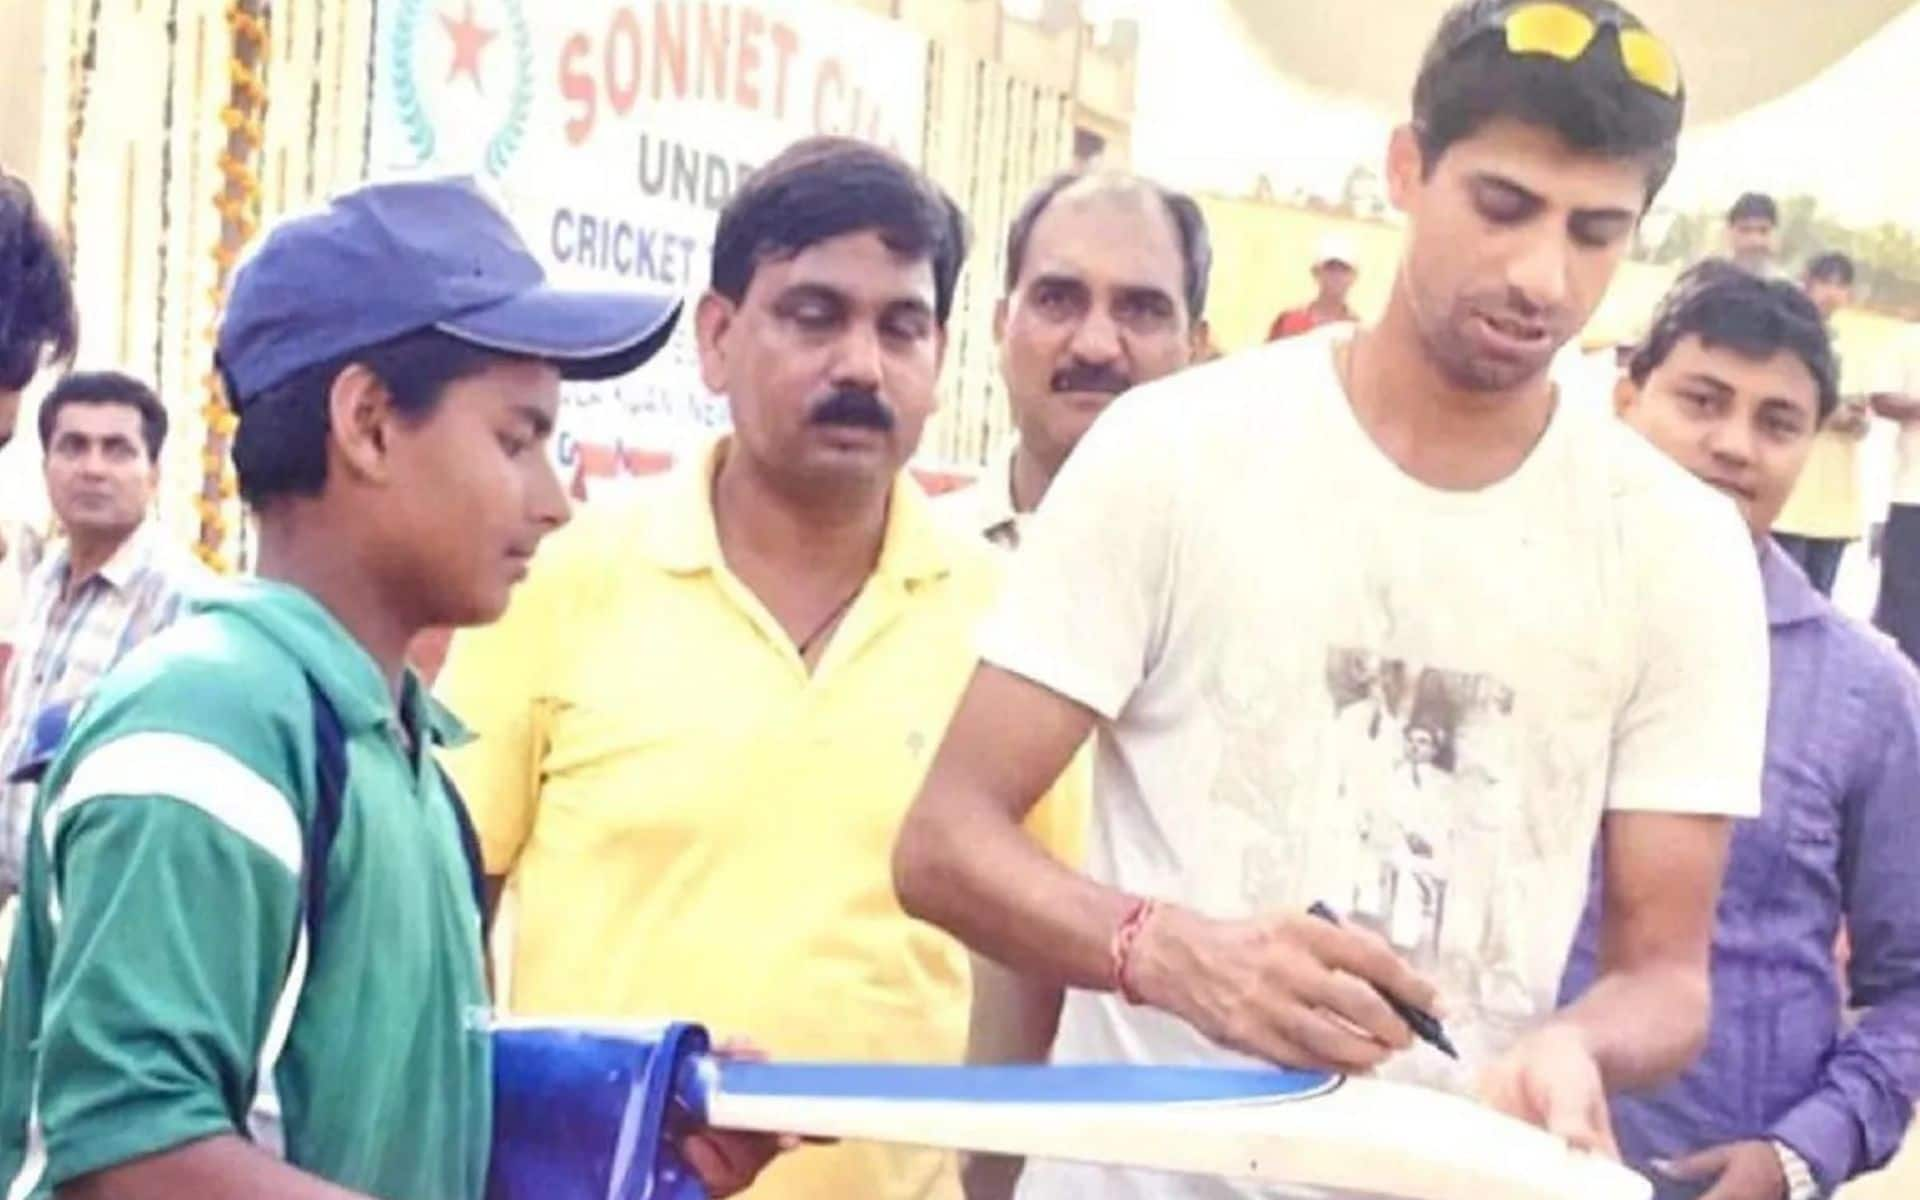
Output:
x=1319 y=679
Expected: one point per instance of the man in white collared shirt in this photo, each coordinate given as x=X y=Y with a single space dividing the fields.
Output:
x=1106 y=289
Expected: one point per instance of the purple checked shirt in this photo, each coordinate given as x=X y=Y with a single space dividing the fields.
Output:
x=1838 y=836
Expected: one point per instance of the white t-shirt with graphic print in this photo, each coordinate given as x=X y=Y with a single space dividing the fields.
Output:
x=1323 y=680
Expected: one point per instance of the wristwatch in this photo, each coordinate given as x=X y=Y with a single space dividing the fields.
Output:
x=1801 y=1185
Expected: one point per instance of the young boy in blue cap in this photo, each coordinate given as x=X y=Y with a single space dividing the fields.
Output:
x=176 y=1021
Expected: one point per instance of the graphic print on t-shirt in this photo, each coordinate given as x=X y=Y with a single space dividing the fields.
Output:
x=1423 y=763
x=1392 y=789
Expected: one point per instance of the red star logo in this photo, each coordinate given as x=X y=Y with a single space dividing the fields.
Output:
x=469 y=38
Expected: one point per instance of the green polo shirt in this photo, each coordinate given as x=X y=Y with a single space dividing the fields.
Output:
x=146 y=1001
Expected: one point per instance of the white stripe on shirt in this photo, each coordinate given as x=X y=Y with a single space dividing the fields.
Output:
x=174 y=766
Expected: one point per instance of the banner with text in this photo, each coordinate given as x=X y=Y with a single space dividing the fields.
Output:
x=613 y=132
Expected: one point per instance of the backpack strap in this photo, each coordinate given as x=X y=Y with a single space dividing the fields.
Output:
x=330 y=789
x=470 y=847
x=265 y=1118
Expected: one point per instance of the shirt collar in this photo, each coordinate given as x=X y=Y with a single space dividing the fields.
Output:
x=424 y=711
x=331 y=657
x=133 y=556
x=681 y=536
x=1791 y=599
x=994 y=489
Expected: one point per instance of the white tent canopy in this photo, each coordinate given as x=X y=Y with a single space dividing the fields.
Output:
x=1736 y=54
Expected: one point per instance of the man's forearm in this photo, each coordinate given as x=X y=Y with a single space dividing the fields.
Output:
x=1896 y=408
x=1014 y=1017
x=973 y=871
x=226 y=1167
x=1645 y=1019
x=1856 y=1120
x=1643 y=1026
x=964 y=859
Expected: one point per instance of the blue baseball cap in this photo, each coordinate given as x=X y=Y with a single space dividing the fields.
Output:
x=389 y=259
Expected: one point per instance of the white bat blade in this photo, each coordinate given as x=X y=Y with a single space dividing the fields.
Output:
x=1352 y=1138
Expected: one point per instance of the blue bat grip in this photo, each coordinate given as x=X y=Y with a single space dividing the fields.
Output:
x=587 y=1116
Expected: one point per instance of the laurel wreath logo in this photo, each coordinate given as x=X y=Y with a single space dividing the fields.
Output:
x=506 y=140
x=417 y=122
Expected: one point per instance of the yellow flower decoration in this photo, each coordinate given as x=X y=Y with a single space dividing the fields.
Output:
x=238 y=203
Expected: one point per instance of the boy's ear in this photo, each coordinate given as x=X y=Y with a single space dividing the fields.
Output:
x=361 y=411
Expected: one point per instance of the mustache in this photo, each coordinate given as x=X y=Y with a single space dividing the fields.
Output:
x=1091 y=377
x=859 y=408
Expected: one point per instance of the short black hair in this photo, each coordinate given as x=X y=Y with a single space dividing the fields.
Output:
x=1831 y=267
x=1196 y=244
x=106 y=387
x=1469 y=79
x=280 y=443
x=823 y=187
x=1754 y=206
x=37 y=318
x=1726 y=306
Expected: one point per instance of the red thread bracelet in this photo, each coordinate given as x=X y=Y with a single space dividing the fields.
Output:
x=1125 y=937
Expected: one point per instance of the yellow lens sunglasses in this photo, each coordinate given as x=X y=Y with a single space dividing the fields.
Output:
x=1564 y=32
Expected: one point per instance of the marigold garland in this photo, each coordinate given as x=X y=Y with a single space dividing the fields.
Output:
x=238 y=203
x=80 y=87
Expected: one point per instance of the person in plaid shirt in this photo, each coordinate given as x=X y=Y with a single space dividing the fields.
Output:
x=115 y=582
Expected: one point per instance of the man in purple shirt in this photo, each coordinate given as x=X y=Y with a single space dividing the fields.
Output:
x=1789 y=1099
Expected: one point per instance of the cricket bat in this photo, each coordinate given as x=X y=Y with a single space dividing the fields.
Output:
x=586 y=1111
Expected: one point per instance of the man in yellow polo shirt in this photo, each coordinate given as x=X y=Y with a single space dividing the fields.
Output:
x=1824 y=512
x=705 y=714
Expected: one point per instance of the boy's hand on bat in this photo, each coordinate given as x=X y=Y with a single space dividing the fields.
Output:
x=728 y=1161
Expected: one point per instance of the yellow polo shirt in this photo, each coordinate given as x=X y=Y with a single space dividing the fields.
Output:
x=695 y=828
x=1825 y=501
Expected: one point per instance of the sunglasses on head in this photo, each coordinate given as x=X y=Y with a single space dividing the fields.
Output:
x=1564 y=32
